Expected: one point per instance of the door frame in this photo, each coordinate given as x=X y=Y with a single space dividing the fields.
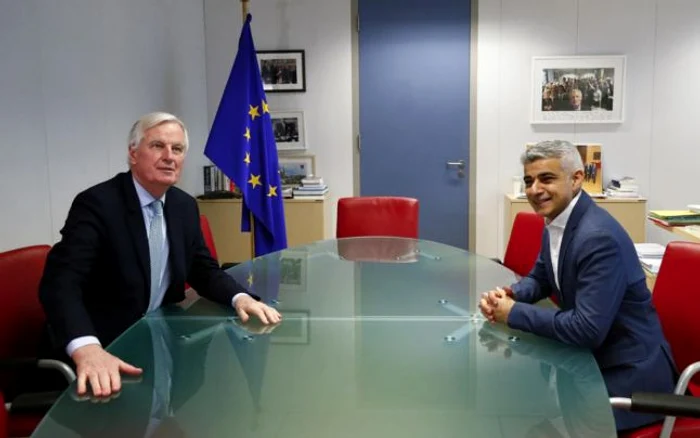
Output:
x=357 y=141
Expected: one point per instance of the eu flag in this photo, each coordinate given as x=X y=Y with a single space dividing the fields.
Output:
x=241 y=143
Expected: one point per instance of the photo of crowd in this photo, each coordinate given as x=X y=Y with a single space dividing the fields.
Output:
x=587 y=89
x=279 y=71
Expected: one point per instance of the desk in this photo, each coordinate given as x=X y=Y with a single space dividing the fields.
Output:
x=688 y=232
x=307 y=221
x=630 y=213
x=380 y=337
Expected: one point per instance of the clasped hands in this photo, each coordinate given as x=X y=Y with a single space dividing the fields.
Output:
x=496 y=304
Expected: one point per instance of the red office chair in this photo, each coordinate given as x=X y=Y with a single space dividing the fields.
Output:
x=524 y=243
x=675 y=296
x=377 y=216
x=21 y=324
x=208 y=236
x=208 y=240
x=3 y=417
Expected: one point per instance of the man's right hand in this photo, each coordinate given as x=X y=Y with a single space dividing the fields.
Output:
x=101 y=369
x=489 y=301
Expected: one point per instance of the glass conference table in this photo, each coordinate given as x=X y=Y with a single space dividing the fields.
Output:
x=381 y=337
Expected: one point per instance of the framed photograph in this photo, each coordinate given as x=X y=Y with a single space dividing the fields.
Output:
x=591 y=155
x=578 y=89
x=282 y=70
x=294 y=330
x=293 y=270
x=294 y=168
x=289 y=129
x=592 y=158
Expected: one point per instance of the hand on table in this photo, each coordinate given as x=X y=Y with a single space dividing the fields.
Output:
x=101 y=369
x=246 y=305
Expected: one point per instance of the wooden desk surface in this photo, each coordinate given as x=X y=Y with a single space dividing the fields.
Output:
x=691 y=232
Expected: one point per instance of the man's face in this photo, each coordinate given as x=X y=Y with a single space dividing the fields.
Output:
x=157 y=160
x=549 y=188
x=575 y=99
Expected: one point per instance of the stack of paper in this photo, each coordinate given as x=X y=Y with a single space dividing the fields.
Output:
x=650 y=255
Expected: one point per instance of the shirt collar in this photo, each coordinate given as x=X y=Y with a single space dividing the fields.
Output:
x=145 y=198
x=563 y=217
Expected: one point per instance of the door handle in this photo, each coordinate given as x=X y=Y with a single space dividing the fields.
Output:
x=459 y=164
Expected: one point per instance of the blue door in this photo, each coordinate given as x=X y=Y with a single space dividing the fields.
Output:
x=414 y=109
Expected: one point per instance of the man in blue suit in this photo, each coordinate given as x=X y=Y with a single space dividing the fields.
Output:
x=589 y=263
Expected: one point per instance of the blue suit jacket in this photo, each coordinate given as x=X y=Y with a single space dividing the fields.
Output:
x=605 y=306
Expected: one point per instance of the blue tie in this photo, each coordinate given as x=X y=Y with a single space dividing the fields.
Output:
x=155 y=250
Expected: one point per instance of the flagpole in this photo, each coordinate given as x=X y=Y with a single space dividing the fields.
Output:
x=244 y=8
x=244 y=13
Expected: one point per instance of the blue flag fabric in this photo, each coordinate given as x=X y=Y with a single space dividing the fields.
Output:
x=242 y=144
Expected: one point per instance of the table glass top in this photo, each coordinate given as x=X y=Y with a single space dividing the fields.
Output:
x=380 y=337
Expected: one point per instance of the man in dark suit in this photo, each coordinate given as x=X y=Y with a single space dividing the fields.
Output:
x=589 y=262
x=128 y=246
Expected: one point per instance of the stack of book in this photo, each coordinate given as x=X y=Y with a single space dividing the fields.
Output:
x=312 y=187
x=626 y=187
x=674 y=218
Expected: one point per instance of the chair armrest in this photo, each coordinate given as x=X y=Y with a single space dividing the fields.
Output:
x=61 y=367
x=659 y=403
x=685 y=377
x=49 y=364
x=34 y=402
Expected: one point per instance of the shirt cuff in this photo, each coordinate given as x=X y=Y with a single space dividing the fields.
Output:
x=236 y=297
x=81 y=342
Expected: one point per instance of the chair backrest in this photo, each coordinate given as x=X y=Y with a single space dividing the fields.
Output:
x=524 y=243
x=21 y=315
x=208 y=236
x=675 y=296
x=377 y=216
x=3 y=417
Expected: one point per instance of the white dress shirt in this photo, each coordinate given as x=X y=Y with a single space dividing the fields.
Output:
x=145 y=199
x=556 y=233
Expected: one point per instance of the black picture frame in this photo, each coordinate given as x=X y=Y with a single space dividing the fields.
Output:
x=282 y=71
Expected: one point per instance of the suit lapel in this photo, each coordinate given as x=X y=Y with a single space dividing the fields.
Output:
x=547 y=258
x=137 y=227
x=173 y=220
x=581 y=206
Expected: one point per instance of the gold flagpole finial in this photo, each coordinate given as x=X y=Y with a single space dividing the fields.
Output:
x=244 y=8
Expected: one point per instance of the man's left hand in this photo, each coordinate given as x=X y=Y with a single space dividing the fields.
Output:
x=246 y=305
x=501 y=306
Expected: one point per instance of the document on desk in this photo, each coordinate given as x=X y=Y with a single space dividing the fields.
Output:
x=649 y=250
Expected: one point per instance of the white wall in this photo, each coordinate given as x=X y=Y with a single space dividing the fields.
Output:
x=74 y=76
x=655 y=144
x=323 y=29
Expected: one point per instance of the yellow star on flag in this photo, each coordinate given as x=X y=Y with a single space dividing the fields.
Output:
x=247 y=133
x=266 y=107
x=254 y=180
x=247 y=158
x=250 y=279
x=253 y=112
x=273 y=191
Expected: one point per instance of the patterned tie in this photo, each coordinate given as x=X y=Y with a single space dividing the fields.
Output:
x=155 y=250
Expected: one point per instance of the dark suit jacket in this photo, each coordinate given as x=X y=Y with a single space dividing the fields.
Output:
x=97 y=278
x=605 y=306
